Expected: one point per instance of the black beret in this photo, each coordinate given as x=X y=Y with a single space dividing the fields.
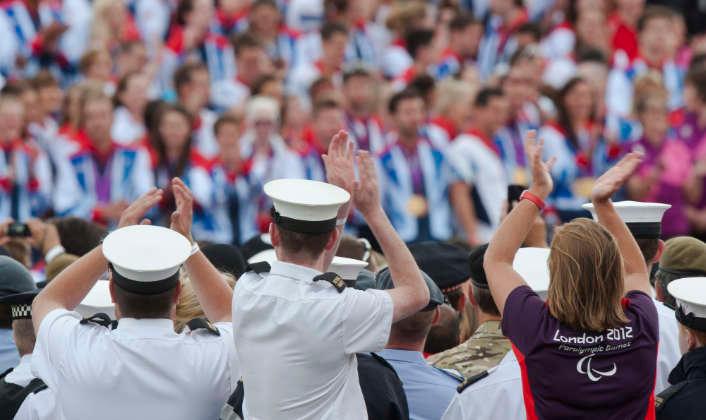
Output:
x=18 y=305
x=446 y=264
x=226 y=258
x=476 y=267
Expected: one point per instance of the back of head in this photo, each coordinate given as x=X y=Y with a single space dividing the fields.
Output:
x=79 y=236
x=586 y=285
x=446 y=333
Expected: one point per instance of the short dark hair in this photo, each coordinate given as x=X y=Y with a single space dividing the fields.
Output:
x=24 y=335
x=404 y=95
x=414 y=328
x=654 y=12
x=697 y=78
x=325 y=104
x=484 y=300
x=227 y=118
x=446 y=333
x=424 y=84
x=184 y=73
x=263 y=3
x=462 y=21
x=244 y=41
x=312 y=245
x=134 y=305
x=593 y=55
x=648 y=247
x=486 y=95
x=356 y=72
x=532 y=29
x=259 y=83
x=78 y=236
x=416 y=39
x=44 y=79
x=332 y=28
x=662 y=280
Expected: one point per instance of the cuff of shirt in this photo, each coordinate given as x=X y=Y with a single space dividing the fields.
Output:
x=54 y=252
x=387 y=310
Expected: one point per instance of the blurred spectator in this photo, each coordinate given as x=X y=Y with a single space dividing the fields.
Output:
x=130 y=100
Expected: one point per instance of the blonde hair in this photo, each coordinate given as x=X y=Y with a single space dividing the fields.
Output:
x=450 y=93
x=648 y=89
x=586 y=271
x=101 y=32
x=188 y=306
x=403 y=14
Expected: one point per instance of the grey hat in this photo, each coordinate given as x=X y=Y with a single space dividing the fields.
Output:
x=14 y=277
x=383 y=281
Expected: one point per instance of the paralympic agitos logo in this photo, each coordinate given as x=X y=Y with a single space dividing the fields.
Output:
x=584 y=367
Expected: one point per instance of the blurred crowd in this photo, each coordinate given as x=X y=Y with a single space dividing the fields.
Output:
x=102 y=100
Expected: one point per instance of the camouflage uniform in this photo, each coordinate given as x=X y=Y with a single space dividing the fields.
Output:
x=484 y=350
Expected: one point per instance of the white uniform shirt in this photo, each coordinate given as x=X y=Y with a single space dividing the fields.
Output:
x=497 y=397
x=40 y=405
x=297 y=341
x=668 y=353
x=140 y=370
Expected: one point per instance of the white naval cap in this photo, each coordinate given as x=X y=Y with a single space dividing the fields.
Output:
x=146 y=258
x=97 y=300
x=643 y=219
x=690 y=293
x=305 y=206
x=533 y=265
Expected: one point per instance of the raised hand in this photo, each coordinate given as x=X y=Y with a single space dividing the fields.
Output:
x=542 y=183
x=615 y=177
x=183 y=216
x=367 y=192
x=135 y=212
x=339 y=163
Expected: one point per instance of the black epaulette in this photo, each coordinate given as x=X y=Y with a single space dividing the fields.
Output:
x=450 y=374
x=334 y=279
x=260 y=267
x=4 y=374
x=202 y=324
x=470 y=381
x=668 y=393
x=100 y=319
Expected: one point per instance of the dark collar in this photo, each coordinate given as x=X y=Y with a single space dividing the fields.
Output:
x=691 y=366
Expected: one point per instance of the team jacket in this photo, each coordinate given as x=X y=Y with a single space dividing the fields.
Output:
x=25 y=181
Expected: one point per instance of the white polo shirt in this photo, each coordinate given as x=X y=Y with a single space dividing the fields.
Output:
x=140 y=370
x=296 y=340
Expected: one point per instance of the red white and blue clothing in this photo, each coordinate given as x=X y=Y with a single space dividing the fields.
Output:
x=214 y=51
x=395 y=59
x=235 y=203
x=475 y=157
x=510 y=142
x=409 y=173
x=365 y=41
x=498 y=43
x=229 y=24
x=621 y=81
x=26 y=26
x=229 y=93
x=367 y=133
x=25 y=181
x=451 y=64
x=604 y=374
x=121 y=174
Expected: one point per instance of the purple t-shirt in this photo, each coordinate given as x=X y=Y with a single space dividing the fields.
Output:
x=576 y=374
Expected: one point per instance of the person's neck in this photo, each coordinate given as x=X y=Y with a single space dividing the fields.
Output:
x=395 y=344
x=329 y=66
x=408 y=139
x=305 y=261
x=102 y=145
x=232 y=165
x=579 y=122
x=510 y=16
x=483 y=317
x=136 y=114
x=359 y=111
x=173 y=155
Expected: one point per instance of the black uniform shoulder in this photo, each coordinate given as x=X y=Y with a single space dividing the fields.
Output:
x=202 y=324
x=382 y=388
x=683 y=401
x=333 y=278
x=101 y=319
x=12 y=395
x=471 y=380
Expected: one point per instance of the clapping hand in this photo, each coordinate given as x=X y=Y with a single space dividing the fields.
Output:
x=367 y=192
x=542 y=183
x=135 y=212
x=338 y=161
x=182 y=217
x=615 y=177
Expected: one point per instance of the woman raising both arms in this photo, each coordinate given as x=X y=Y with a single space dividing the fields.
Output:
x=590 y=351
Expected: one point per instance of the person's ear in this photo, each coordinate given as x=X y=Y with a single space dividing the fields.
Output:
x=177 y=292
x=660 y=250
x=332 y=239
x=437 y=315
x=111 y=289
x=274 y=235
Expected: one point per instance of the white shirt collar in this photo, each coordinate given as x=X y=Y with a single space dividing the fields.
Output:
x=146 y=327
x=298 y=272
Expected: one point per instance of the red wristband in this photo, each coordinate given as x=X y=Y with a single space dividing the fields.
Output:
x=526 y=195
